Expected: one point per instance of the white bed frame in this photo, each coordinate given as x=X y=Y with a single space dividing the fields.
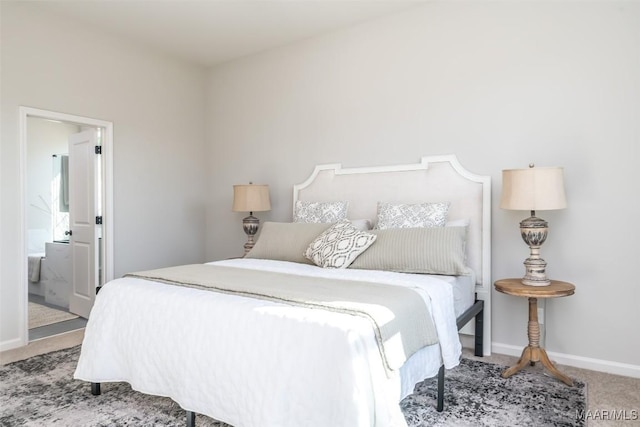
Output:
x=434 y=179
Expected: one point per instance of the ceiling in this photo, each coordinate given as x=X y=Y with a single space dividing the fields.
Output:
x=210 y=32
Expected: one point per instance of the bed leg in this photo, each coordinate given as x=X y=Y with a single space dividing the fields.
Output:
x=440 y=405
x=95 y=389
x=479 y=347
x=191 y=419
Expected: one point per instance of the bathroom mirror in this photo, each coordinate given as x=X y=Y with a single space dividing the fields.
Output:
x=60 y=198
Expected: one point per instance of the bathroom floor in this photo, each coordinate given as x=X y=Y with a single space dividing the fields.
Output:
x=54 y=328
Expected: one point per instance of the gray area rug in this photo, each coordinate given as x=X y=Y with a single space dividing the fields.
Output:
x=41 y=391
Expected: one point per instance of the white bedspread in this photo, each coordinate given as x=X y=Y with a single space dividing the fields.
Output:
x=257 y=363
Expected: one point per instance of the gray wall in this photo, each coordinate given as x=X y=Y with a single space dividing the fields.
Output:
x=499 y=84
x=157 y=105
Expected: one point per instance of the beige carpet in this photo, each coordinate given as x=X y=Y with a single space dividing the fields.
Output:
x=40 y=315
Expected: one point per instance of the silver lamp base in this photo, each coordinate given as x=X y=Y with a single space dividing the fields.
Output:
x=534 y=232
x=250 y=226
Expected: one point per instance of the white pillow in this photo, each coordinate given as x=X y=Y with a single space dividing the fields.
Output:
x=339 y=245
x=320 y=212
x=420 y=215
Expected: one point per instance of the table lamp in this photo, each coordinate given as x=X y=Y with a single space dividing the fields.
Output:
x=250 y=198
x=533 y=189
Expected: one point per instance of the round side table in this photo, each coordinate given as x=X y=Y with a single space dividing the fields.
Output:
x=533 y=352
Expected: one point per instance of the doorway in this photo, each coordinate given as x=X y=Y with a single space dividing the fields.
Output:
x=62 y=185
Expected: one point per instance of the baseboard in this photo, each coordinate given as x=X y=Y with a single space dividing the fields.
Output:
x=43 y=345
x=608 y=366
x=11 y=344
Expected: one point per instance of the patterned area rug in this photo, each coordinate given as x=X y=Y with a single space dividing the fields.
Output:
x=41 y=315
x=41 y=391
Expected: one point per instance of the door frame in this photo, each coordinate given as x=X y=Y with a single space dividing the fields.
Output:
x=106 y=160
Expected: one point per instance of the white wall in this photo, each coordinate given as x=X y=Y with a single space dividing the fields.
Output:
x=157 y=107
x=500 y=84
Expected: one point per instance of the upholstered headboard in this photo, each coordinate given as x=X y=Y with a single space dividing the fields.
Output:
x=434 y=179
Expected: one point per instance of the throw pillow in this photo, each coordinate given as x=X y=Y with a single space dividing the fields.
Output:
x=320 y=212
x=400 y=215
x=339 y=245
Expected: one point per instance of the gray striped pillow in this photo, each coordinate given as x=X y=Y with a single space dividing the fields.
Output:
x=286 y=241
x=431 y=250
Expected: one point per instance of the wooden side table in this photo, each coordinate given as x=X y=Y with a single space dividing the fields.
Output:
x=533 y=352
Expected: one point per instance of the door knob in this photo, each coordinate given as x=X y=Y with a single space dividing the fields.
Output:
x=68 y=233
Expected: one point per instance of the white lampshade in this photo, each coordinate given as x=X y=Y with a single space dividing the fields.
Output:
x=251 y=198
x=533 y=189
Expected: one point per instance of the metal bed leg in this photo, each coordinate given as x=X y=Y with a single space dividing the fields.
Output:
x=191 y=419
x=95 y=389
x=440 y=405
x=479 y=344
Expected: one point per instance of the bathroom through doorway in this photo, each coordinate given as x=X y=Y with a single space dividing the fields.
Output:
x=67 y=218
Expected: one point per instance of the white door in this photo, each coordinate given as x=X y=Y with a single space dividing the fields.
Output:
x=83 y=208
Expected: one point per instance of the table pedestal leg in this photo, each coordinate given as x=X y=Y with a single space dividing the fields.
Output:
x=533 y=352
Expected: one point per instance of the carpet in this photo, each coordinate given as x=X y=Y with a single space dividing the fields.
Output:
x=41 y=315
x=41 y=391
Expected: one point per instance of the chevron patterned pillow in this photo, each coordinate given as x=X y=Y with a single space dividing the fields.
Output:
x=339 y=245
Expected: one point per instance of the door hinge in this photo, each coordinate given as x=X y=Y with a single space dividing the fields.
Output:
x=98 y=149
x=99 y=220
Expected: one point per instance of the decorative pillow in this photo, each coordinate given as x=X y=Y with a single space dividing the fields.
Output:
x=285 y=241
x=434 y=250
x=339 y=245
x=320 y=211
x=392 y=215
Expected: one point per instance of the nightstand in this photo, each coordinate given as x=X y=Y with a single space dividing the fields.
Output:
x=533 y=352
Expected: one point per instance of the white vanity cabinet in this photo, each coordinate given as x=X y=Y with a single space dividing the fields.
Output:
x=55 y=274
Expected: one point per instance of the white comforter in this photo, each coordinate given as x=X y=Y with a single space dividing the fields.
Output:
x=257 y=363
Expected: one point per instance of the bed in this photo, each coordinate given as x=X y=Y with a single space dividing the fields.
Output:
x=249 y=356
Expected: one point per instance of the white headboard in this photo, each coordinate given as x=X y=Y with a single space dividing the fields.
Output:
x=434 y=179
